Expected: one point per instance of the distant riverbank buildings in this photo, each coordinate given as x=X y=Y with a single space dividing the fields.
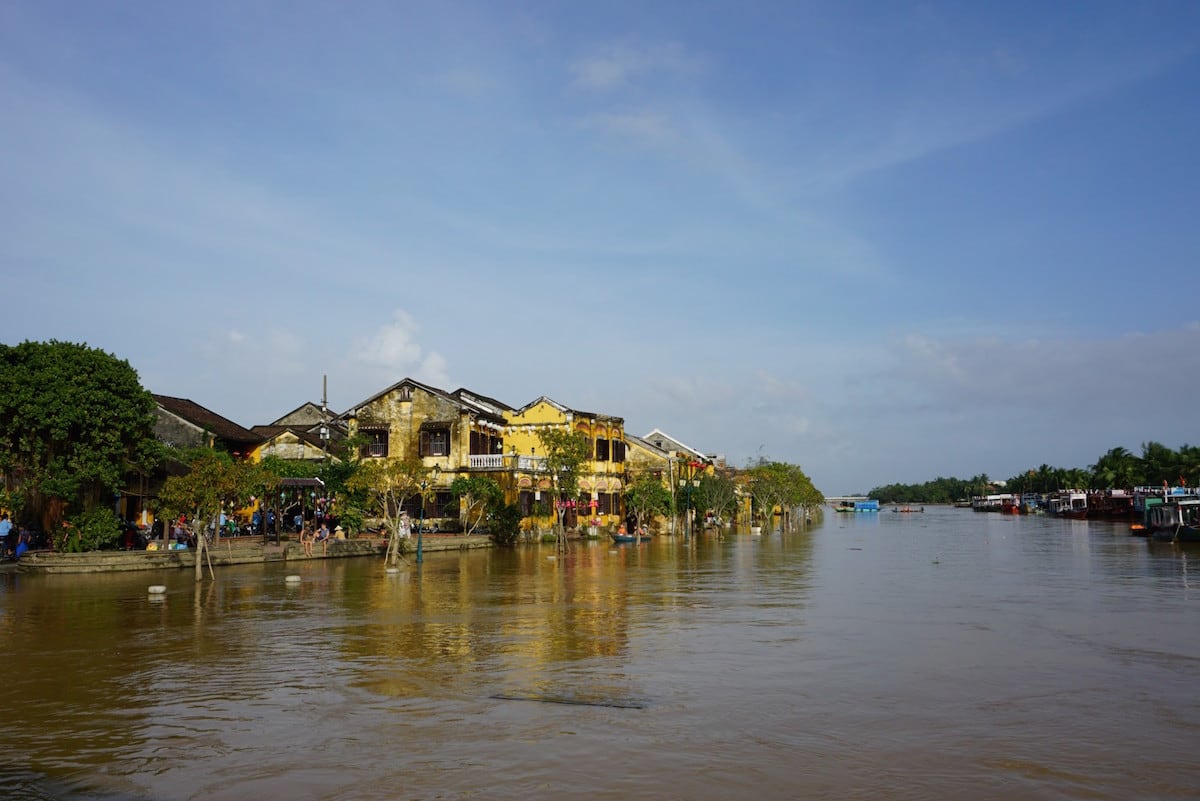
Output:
x=461 y=434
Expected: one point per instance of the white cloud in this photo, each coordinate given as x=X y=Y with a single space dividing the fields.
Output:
x=619 y=63
x=393 y=351
x=652 y=126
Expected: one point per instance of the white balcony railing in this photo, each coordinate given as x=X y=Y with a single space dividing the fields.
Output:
x=487 y=461
x=500 y=461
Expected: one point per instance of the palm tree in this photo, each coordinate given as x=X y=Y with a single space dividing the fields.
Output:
x=1159 y=463
x=1115 y=469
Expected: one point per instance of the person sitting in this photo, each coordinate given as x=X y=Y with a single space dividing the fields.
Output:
x=22 y=544
x=323 y=538
x=306 y=540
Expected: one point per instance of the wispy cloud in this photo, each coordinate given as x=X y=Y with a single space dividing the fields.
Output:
x=651 y=126
x=618 y=64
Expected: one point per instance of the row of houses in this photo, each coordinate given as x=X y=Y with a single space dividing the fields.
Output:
x=461 y=434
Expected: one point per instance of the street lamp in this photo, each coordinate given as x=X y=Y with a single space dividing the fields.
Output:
x=688 y=487
x=421 y=525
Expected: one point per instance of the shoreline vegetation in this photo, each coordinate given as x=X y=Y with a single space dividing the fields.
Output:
x=1117 y=468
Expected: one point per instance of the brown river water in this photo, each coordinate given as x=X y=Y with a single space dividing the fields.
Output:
x=943 y=655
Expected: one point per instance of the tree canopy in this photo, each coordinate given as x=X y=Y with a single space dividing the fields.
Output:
x=74 y=421
x=1116 y=468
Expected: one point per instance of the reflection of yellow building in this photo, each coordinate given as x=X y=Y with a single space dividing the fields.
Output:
x=465 y=434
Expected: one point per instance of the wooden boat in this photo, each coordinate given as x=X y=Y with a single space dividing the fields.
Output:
x=1112 y=504
x=1175 y=521
x=908 y=510
x=993 y=503
x=1068 y=503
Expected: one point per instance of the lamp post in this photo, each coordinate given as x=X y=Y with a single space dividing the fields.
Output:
x=421 y=525
x=687 y=488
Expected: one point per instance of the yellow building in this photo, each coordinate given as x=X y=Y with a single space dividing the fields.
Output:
x=602 y=479
x=463 y=434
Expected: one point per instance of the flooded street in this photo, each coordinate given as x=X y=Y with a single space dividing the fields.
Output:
x=948 y=655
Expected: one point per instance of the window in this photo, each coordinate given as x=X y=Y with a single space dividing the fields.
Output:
x=601 y=450
x=618 y=450
x=435 y=442
x=376 y=445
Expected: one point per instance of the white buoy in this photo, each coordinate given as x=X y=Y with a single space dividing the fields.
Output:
x=292 y=579
x=157 y=589
x=393 y=570
x=551 y=558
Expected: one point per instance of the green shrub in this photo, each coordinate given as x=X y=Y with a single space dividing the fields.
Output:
x=89 y=531
x=504 y=524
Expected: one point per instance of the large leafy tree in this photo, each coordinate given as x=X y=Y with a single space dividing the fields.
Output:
x=1118 y=468
x=214 y=482
x=74 y=421
x=784 y=486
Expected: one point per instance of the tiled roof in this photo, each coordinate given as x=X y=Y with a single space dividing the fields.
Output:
x=207 y=419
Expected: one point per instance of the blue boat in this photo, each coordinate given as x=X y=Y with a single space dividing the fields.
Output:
x=630 y=538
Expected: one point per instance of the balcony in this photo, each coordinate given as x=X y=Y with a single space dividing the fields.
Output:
x=487 y=461
x=500 y=461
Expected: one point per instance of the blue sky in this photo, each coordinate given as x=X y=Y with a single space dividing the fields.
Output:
x=883 y=241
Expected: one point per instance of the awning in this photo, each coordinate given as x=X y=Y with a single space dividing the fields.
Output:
x=301 y=482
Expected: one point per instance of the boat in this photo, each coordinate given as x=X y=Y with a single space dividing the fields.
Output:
x=1112 y=504
x=994 y=503
x=1175 y=520
x=630 y=538
x=1031 y=503
x=1146 y=498
x=907 y=510
x=1071 y=504
x=867 y=505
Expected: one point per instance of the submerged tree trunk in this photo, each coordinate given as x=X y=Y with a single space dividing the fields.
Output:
x=202 y=552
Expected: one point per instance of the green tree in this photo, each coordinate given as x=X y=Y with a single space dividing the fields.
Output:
x=647 y=496
x=74 y=421
x=1159 y=463
x=477 y=497
x=387 y=485
x=214 y=482
x=504 y=524
x=782 y=486
x=566 y=454
x=1116 y=469
x=716 y=493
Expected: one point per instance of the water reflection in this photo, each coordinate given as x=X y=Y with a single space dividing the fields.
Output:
x=947 y=654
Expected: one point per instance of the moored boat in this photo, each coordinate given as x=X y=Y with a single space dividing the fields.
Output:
x=852 y=506
x=995 y=503
x=1068 y=503
x=1175 y=520
x=1112 y=504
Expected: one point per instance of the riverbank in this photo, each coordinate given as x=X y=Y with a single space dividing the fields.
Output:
x=228 y=551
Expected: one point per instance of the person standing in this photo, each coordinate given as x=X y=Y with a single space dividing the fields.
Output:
x=5 y=530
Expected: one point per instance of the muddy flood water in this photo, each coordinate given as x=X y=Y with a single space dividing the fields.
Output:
x=941 y=655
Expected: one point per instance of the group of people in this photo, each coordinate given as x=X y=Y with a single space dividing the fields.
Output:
x=310 y=536
x=12 y=544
